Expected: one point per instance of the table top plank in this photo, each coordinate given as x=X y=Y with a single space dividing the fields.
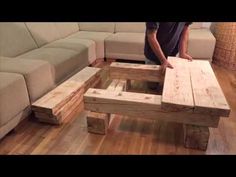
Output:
x=208 y=95
x=177 y=91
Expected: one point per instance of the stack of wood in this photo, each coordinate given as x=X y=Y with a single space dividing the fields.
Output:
x=66 y=99
x=225 y=50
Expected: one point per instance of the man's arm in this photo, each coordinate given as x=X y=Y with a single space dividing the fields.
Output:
x=184 y=43
x=154 y=44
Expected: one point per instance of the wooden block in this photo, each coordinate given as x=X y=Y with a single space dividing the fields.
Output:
x=142 y=106
x=98 y=122
x=43 y=117
x=196 y=137
x=68 y=109
x=177 y=90
x=208 y=95
x=117 y=85
x=129 y=71
x=61 y=101
x=57 y=98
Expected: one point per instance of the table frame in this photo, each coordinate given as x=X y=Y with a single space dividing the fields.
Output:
x=116 y=99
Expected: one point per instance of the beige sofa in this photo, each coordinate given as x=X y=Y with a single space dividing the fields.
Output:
x=128 y=42
x=36 y=57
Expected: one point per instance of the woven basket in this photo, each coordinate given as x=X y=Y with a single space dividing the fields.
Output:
x=225 y=50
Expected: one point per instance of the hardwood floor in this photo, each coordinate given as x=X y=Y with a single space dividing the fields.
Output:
x=125 y=135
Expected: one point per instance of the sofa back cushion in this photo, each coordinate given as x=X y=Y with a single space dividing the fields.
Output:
x=43 y=33
x=66 y=29
x=97 y=26
x=15 y=39
x=196 y=25
x=137 y=27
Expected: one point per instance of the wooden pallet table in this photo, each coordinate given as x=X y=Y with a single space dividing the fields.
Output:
x=191 y=96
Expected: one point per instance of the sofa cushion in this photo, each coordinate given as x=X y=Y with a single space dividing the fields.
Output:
x=130 y=27
x=98 y=26
x=66 y=29
x=125 y=46
x=15 y=39
x=76 y=44
x=6 y=128
x=37 y=74
x=201 y=44
x=97 y=37
x=64 y=62
x=13 y=96
x=196 y=25
x=43 y=33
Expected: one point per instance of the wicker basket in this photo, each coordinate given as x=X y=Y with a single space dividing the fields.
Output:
x=225 y=50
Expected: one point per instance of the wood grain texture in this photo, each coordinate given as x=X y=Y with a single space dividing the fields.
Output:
x=208 y=96
x=55 y=99
x=177 y=90
x=136 y=72
x=142 y=106
x=98 y=122
x=117 y=85
x=196 y=137
x=56 y=105
x=193 y=86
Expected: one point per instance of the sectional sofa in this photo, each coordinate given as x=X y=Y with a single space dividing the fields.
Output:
x=36 y=57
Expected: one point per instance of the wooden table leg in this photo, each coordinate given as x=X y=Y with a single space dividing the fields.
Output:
x=196 y=137
x=98 y=122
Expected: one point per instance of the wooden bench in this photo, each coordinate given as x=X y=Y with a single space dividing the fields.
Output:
x=191 y=96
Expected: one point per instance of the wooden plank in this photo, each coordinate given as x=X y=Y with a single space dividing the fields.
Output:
x=208 y=96
x=56 y=98
x=85 y=74
x=196 y=137
x=142 y=106
x=177 y=90
x=117 y=85
x=64 y=112
x=136 y=72
x=70 y=106
x=59 y=102
x=47 y=118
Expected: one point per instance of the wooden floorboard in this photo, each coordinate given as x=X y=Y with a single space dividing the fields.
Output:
x=125 y=135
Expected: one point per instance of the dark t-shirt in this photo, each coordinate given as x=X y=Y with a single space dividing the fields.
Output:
x=168 y=36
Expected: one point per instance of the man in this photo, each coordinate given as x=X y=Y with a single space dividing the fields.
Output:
x=165 y=39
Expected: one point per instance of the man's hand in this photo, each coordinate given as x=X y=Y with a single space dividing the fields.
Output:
x=165 y=65
x=186 y=56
